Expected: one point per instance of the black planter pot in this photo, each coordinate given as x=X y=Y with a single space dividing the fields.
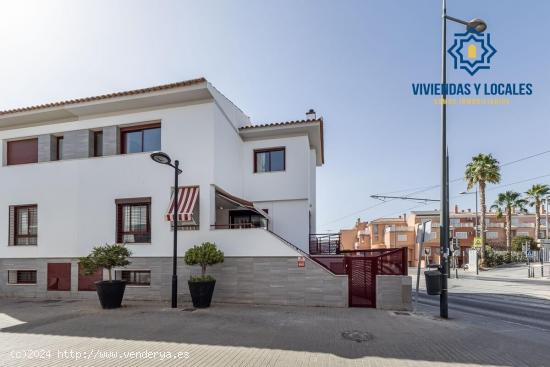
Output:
x=201 y=293
x=110 y=293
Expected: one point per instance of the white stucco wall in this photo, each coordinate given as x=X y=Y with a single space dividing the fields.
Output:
x=313 y=190
x=76 y=198
x=284 y=185
x=228 y=155
x=290 y=220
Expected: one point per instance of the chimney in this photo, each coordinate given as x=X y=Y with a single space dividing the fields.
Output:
x=311 y=115
x=405 y=216
x=456 y=208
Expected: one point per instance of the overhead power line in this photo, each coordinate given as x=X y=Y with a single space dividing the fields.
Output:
x=492 y=188
x=428 y=188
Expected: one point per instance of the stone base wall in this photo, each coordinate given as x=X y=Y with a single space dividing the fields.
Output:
x=394 y=292
x=252 y=280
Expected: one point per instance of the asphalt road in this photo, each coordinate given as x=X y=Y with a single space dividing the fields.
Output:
x=496 y=297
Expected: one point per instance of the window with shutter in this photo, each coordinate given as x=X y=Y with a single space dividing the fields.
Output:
x=21 y=276
x=133 y=220
x=22 y=151
x=134 y=277
x=23 y=226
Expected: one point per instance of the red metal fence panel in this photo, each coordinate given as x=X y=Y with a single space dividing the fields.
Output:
x=362 y=267
x=393 y=263
x=336 y=264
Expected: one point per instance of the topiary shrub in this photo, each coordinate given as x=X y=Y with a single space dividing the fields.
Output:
x=204 y=255
x=107 y=257
x=519 y=241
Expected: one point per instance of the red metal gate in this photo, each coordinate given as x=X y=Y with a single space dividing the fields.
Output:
x=361 y=281
x=362 y=269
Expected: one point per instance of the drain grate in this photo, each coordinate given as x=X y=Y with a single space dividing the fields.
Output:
x=357 y=336
x=189 y=309
x=402 y=313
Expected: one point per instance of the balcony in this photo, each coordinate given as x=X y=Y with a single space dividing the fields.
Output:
x=324 y=244
x=400 y=229
x=523 y=225
x=462 y=225
x=236 y=213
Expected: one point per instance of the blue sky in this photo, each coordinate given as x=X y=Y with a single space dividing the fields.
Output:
x=353 y=61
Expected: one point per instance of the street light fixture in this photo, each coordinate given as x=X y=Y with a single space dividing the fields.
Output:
x=476 y=24
x=480 y=26
x=163 y=158
x=472 y=193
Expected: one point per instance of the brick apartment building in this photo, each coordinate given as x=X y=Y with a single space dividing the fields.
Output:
x=402 y=231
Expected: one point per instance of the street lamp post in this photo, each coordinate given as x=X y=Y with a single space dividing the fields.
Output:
x=476 y=220
x=479 y=26
x=164 y=158
x=475 y=229
x=546 y=218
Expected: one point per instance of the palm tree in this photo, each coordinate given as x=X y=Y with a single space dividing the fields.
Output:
x=535 y=195
x=508 y=202
x=483 y=169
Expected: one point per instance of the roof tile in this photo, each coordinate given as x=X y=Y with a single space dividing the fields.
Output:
x=295 y=122
x=106 y=96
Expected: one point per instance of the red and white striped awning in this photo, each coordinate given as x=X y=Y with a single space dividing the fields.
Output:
x=187 y=199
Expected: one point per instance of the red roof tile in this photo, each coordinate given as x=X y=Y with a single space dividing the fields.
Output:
x=296 y=122
x=106 y=96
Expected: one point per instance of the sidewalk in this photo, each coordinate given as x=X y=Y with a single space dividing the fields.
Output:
x=67 y=333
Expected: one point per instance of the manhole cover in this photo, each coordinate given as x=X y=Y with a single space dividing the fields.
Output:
x=357 y=336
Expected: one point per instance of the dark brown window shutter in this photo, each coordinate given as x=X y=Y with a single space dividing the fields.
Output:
x=119 y=223
x=11 y=240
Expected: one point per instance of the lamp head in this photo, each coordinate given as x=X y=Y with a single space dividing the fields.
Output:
x=161 y=158
x=477 y=24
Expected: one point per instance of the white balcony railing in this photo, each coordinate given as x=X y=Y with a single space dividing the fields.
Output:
x=399 y=229
x=462 y=225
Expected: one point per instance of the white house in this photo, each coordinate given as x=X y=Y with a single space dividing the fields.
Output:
x=78 y=173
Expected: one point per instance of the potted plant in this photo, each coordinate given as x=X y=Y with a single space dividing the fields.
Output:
x=201 y=287
x=110 y=292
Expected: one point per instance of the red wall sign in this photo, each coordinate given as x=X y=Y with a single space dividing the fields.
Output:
x=301 y=262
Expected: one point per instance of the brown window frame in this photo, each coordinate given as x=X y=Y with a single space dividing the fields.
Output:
x=96 y=134
x=118 y=276
x=58 y=152
x=269 y=150
x=17 y=277
x=120 y=204
x=10 y=161
x=16 y=235
x=130 y=129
